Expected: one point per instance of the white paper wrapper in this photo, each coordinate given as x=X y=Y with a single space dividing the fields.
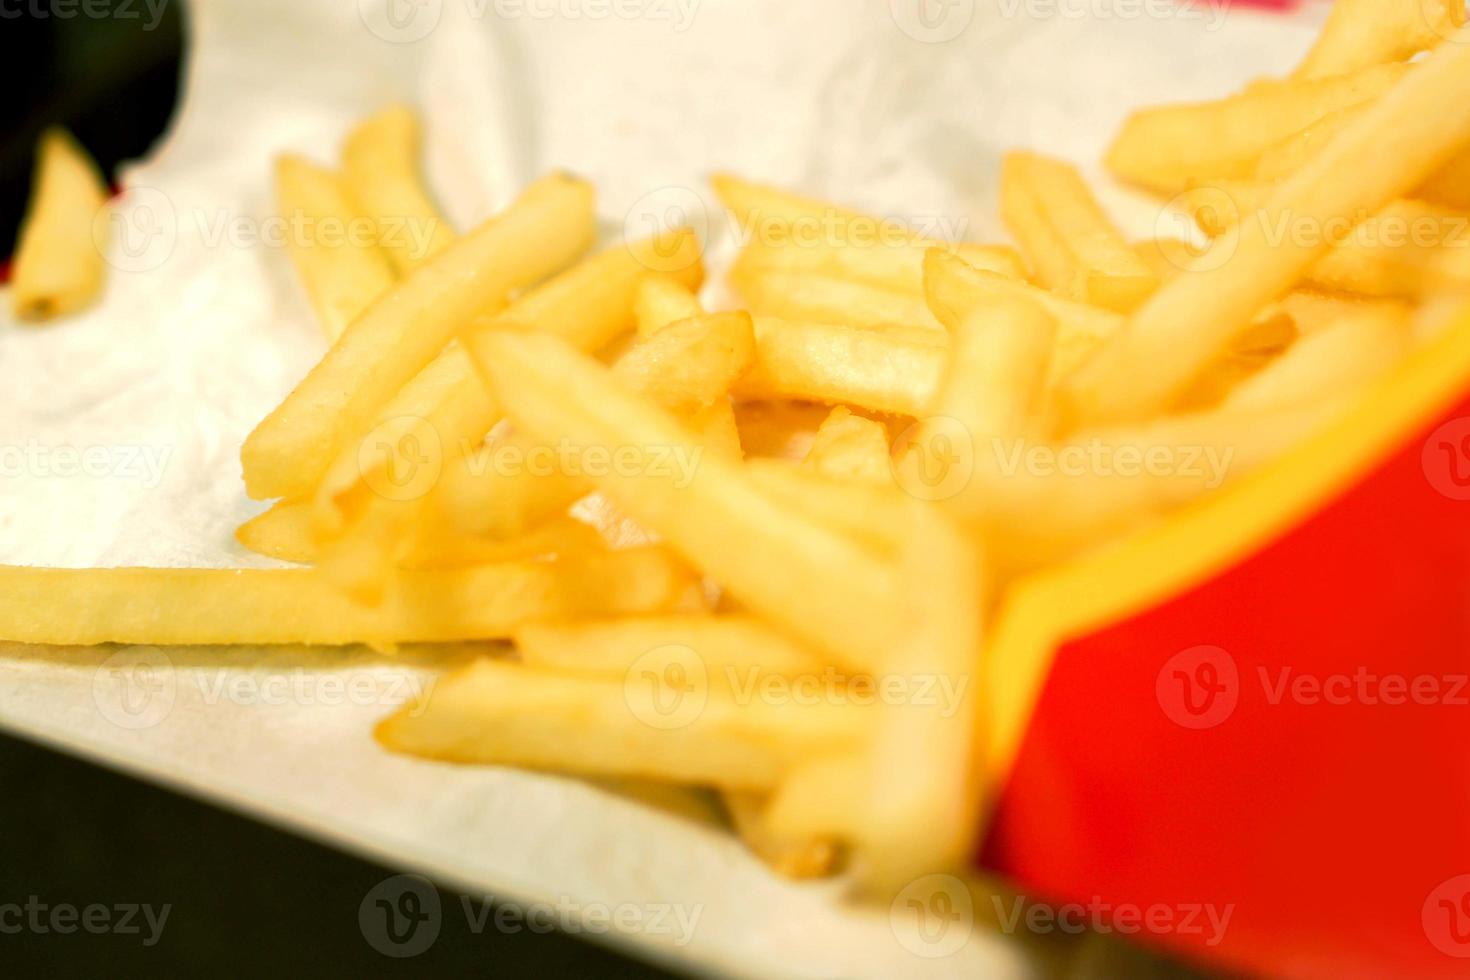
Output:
x=121 y=428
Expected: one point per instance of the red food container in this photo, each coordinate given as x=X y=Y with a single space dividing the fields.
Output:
x=1245 y=734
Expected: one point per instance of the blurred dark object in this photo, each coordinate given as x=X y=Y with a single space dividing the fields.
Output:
x=108 y=70
x=245 y=900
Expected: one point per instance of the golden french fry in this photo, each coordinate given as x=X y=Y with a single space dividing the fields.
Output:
x=821 y=799
x=660 y=302
x=1193 y=318
x=1165 y=147
x=897 y=266
x=999 y=361
x=381 y=167
x=1449 y=186
x=867 y=513
x=1072 y=246
x=783 y=430
x=685 y=368
x=59 y=265
x=342 y=276
x=1314 y=310
x=404 y=330
x=850 y=447
x=827 y=299
x=722 y=644
x=657 y=722
x=1338 y=359
x=299 y=605
x=876 y=370
x=798 y=858
x=956 y=291
x=717 y=430
x=818 y=586
x=1362 y=33
x=917 y=819
x=285 y=532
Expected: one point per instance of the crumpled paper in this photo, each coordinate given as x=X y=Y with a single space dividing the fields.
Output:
x=121 y=428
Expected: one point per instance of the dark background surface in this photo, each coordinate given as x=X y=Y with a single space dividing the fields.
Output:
x=246 y=900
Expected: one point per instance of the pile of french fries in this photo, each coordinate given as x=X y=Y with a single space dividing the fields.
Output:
x=754 y=550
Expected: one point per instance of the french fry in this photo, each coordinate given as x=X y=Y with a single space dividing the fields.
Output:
x=1164 y=148
x=918 y=819
x=827 y=299
x=342 y=277
x=850 y=447
x=285 y=532
x=169 y=606
x=866 y=513
x=956 y=291
x=713 y=515
x=1314 y=310
x=999 y=361
x=798 y=858
x=1448 y=186
x=897 y=266
x=59 y=265
x=1341 y=358
x=821 y=799
x=684 y=368
x=875 y=370
x=781 y=430
x=404 y=330
x=1362 y=33
x=1194 y=317
x=652 y=724
x=612 y=647
x=1071 y=245
x=381 y=168
x=660 y=302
